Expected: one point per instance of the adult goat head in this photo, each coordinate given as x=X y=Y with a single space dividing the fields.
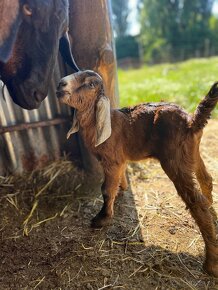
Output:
x=31 y=32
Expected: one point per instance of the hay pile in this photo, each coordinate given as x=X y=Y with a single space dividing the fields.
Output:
x=27 y=192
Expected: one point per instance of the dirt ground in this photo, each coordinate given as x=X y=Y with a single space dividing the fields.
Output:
x=47 y=243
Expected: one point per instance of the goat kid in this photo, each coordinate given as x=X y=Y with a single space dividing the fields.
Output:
x=160 y=130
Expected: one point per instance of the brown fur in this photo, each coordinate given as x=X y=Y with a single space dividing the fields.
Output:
x=160 y=130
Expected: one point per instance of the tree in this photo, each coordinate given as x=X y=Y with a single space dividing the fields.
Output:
x=214 y=32
x=127 y=46
x=120 y=10
x=175 y=29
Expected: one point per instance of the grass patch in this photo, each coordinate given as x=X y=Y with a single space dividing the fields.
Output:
x=184 y=83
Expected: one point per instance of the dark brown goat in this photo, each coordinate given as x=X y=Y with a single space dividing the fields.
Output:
x=160 y=130
x=30 y=31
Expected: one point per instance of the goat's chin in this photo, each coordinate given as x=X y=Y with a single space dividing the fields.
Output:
x=63 y=97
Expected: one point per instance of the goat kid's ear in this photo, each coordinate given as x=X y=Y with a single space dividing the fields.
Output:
x=75 y=126
x=9 y=25
x=103 y=120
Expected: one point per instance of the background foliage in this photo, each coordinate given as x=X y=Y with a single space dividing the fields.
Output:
x=170 y=30
x=183 y=35
x=184 y=83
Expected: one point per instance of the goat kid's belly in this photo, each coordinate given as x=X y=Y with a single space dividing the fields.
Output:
x=137 y=154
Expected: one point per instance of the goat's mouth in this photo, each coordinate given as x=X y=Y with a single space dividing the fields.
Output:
x=26 y=94
x=26 y=98
x=63 y=96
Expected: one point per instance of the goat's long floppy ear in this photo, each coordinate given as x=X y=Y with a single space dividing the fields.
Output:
x=66 y=53
x=10 y=19
x=103 y=120
x=75 y=126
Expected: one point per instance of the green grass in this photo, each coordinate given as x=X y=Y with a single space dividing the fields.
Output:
x=184 y=83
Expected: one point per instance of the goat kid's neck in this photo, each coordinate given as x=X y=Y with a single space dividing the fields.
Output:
x=87 y=124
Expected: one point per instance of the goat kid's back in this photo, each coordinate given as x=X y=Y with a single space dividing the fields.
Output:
x=155 y=129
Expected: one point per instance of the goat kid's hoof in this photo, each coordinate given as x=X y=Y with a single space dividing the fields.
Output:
x=122 y=189
x=211 y=269
x=100 y=221
x=120 y=192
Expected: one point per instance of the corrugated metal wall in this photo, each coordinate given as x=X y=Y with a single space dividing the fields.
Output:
x=26 y=149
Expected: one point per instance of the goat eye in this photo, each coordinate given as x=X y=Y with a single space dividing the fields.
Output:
x=91 y=85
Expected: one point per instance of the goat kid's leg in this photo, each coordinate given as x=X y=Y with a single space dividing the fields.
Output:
x=109 y=192
x=204 y=179
x=206 y=184
x=198 y=205
x=123 y=180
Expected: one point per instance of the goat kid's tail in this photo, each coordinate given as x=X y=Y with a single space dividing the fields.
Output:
x=204 y=109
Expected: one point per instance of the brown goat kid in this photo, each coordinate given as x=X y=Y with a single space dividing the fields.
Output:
x=160 y=130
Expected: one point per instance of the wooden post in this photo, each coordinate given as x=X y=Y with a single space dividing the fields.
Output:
x=92 y=42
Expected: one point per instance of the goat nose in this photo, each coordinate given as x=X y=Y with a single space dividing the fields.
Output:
x=62 y=84
x=39 y=96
